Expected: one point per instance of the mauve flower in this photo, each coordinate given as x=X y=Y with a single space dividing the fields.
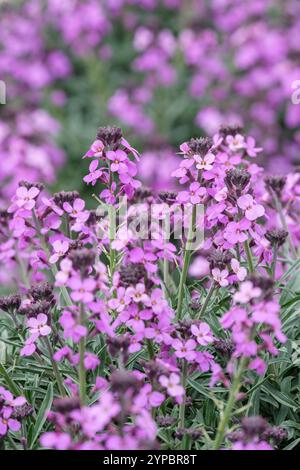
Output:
x=220 y=276
x=10 y=400
x=82 y=290
x=203 y=333
x=118 y=159
x=240 y=271
x=60 y=249
x=91 y=361
x=96 y=149
x=138 y=293
x=172 y=384
x=235 y=143
x=25 y=198
x=29 y=347
x=184 y=349
x=246 y=293
x=7 y=423
x=72 y=328
x=56 y=440
x=157 y=302
x=204 y=163
x=38 y=326
x=194 y=195
x=252 y=210
x=235 y=232
x=95 y=173
x=76 y=210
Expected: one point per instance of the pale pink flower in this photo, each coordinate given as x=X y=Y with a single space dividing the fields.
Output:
x=220 y=276
x=246 y=293
x=240 y=271
x=172 y=384
x=118 y=159
x=38 y=326
x=252 y=210
x=206 y=162
x=82 y=290
x=185 y=349
x=235 y=143
x=138 y=293
x=26 y=197
x=60 y=249
x=203 y=333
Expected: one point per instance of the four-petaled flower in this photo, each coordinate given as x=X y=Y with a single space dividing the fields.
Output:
x=203 y=333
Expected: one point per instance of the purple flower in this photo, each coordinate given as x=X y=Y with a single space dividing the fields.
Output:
x=252 y=210
x=118 y=159
x=203 y=333
x=60 y=249
x=82 y=290
x=96 y=149
x=185 y=349
x=38 y=326
x=172 y=384
x=25 y=198
x=95 y=173
x=7 y=423
x=220 y=276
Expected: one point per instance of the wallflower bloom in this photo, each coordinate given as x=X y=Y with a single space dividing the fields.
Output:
x=235 y=143
x=239 y=270
x=26 y=197
x=235 y=232
x=203 y=333
x=7 y=423
x=82 y=290
x=204 y=163
x=172 y=384
x=185 y=349
x=252 y=210
x=246 y=293
x=118 y=159
x=38 y=326
x=60 y=249
x=194 y=195
x=96 y=149
x=95 y=173
x=220 y=276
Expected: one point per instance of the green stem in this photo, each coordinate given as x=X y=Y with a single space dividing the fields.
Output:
x=112 y=234
x=166 y=274
x=82 y=371
x=223 y=424
x=207 y=299
x=55 y=368
x=150 y=349
x=186 y=263
x=249 y=257
x=181 y=423
x=274 y=261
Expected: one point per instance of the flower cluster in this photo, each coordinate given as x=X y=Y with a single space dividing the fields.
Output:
x=135 y=325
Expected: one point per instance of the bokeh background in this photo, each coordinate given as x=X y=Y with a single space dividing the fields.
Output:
x=164 y=70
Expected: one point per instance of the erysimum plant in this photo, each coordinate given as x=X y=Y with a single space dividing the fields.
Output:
x=117 y=338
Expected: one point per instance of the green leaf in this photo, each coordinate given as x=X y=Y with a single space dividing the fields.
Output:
x=280 y=397
x=13 y=387
x=42 y=415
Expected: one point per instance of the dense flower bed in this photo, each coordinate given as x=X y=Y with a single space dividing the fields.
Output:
x=117 y=340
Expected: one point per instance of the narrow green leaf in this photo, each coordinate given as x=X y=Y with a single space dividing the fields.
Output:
x=42 y=415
